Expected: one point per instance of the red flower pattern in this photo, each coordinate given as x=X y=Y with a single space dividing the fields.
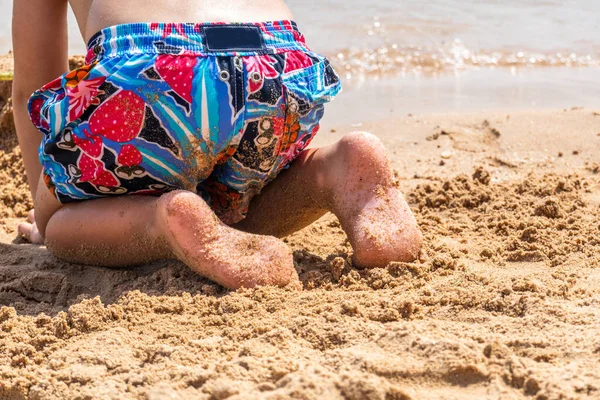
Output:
x=264 y=67
x=83 y=95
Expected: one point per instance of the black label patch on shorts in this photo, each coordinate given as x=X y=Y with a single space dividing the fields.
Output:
x=233 y=38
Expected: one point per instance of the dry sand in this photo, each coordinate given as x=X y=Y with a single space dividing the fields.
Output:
x=503 y=304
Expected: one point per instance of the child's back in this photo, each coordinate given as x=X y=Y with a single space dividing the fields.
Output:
x=93 y=15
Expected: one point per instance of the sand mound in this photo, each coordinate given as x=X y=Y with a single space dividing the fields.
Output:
x=542 y=218
x=15 y=200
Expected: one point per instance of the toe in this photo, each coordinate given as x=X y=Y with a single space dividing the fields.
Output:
x=30 y=233
x=25 y=229
x=31 y=217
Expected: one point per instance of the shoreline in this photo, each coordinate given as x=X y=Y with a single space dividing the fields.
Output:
x=489 y=90
x=496 y=89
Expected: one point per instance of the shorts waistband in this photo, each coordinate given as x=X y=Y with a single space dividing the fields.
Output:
x=209 y=38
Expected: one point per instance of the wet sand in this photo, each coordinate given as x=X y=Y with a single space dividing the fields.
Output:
x=503 y=303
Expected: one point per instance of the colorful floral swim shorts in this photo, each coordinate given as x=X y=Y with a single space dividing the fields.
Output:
x=218 y=109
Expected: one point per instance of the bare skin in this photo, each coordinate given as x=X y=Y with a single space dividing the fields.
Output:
x=352 y=178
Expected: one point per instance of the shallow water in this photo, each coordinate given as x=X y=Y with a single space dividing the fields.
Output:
x=501 y=89
x=421 y=45
x=495 y=25
x=446 y=28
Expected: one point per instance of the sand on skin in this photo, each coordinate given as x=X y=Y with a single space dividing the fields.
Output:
x=503 y=303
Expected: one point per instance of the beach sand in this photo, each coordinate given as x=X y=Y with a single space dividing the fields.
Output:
x=504 y=302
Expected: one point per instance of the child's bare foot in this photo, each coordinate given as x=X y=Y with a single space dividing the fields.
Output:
x=369 y=204
x=353 y=179
x=29 y=230
x=230 y=257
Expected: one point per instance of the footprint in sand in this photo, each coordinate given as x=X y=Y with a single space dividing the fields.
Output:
x=473 y=138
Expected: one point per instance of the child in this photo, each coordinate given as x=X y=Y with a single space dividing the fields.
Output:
x=156 y=147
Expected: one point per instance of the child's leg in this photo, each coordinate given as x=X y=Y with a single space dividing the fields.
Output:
x=353 y=179
x=128 y=230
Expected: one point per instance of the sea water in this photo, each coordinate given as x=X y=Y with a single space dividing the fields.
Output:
x=444 y=55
